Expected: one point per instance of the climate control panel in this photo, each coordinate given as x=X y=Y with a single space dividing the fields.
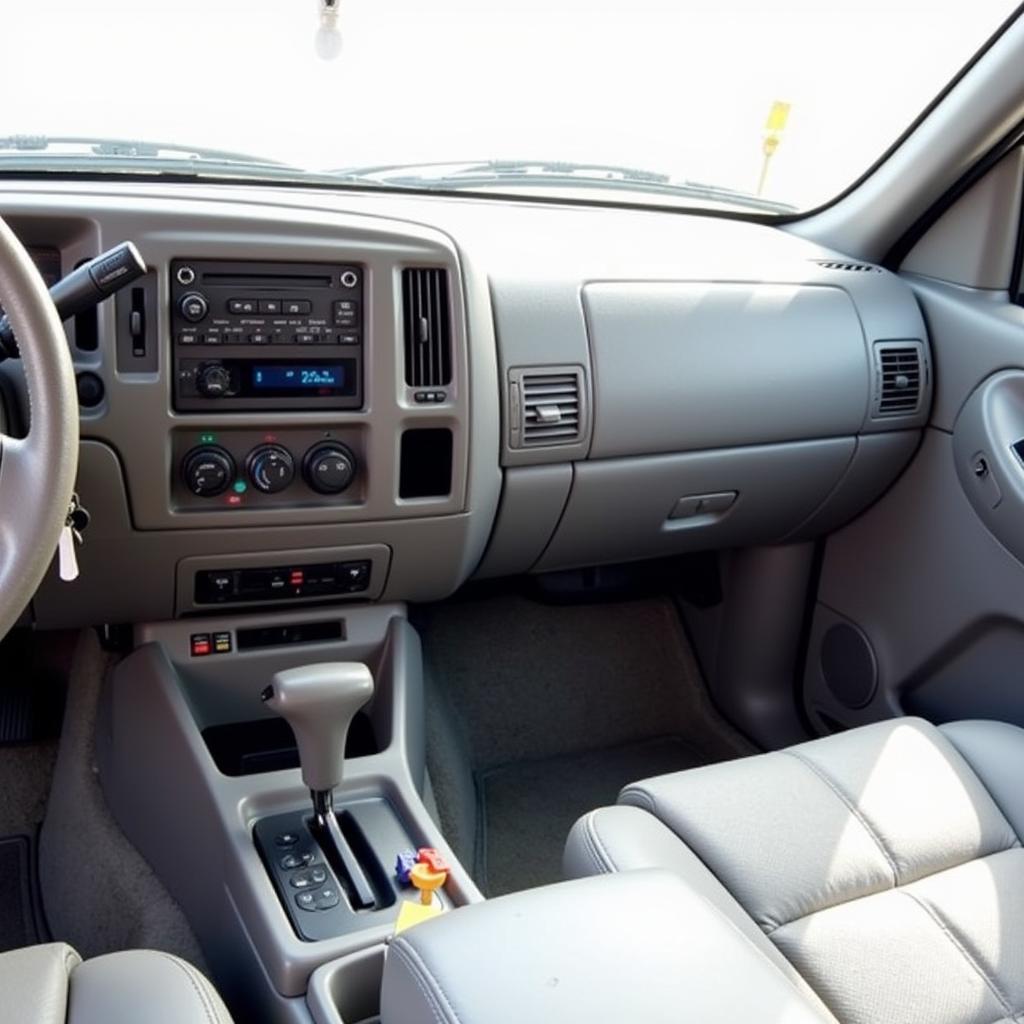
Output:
x=255 y=469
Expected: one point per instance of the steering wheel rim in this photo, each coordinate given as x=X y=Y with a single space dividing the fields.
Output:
x=37 y=473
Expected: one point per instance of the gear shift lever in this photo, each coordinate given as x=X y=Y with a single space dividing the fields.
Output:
x=319 y=702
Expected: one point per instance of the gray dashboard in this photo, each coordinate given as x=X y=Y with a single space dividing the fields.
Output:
x=624 y=385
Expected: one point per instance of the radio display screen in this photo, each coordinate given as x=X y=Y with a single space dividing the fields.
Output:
x=298 y=378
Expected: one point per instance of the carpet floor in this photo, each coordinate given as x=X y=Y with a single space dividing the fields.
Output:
x=527 y=808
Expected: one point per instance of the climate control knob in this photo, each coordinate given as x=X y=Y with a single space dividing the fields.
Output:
x=329 y=468
x=271 y=468
x=208 y=471
x=193 y=307
x=213 y=381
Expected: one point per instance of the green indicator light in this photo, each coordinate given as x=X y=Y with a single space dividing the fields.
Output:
x=241 y=487
x=207 y=438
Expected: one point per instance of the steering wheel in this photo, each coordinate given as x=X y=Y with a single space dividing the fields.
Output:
x=37 y=473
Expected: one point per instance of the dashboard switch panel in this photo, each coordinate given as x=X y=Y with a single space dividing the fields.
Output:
x=282 y=583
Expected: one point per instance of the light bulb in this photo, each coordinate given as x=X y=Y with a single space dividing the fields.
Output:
x=327 y=42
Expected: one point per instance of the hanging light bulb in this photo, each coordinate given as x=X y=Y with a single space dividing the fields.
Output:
x=328 y=37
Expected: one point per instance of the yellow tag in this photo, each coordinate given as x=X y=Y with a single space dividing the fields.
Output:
x=777 y=118
x=413 y=913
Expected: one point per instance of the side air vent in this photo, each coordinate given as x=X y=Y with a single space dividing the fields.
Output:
x=900 y=378
x=858 y=268
x=427 y=326
x=547 y=406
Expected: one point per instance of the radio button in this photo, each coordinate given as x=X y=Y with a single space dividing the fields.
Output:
x=303 y=338
x=270 y=306
x=214 y=381
x=259 y=339
x=241 y=305
x=348 y=338
x=189 y=338
x=297 y=307
x=194 y=307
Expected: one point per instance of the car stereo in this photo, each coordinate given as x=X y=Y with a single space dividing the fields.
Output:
x=277 y=336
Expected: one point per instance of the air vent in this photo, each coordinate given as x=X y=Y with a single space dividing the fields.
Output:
x=900 y=379
x=858 y=268
x=547 y=407
x=427 y=325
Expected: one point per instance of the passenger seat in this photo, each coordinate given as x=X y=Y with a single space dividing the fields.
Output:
x=881 y=867
x=50 y=984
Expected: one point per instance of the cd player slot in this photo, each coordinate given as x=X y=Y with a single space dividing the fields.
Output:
x=265 y=280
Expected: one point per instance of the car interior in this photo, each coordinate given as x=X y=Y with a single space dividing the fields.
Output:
x=517 y=589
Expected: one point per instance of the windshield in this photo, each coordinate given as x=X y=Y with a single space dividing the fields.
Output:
x=769 y=106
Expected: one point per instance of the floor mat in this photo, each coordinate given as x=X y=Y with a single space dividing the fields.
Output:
x=527 y=808
x=17 y=910
x=33 y=686
x=520 y=693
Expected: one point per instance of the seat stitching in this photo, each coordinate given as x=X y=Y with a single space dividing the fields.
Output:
x=600 y=848
x=411 y=954
x=866 y=896
x=71 y=960
x=979 y=970
x=851 y=807
x=422 y=984
x=642 y=795
x=209 y=1009
x=591 y=850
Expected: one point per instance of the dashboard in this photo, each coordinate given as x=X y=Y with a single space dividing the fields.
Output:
x=331 y=396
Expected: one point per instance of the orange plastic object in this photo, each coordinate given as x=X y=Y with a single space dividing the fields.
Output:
x=429 y=856
x=427 y=881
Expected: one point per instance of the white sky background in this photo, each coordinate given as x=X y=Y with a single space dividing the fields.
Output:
x=678 y=87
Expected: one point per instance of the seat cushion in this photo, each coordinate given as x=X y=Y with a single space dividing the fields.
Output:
x=142 y=985
x=883 y=863
x=34 y=983
x=49 y=984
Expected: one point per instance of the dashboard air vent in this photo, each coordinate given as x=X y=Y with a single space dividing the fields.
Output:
x=427 y=327
x=859 y=268
x=900 y=378
x=547 y=407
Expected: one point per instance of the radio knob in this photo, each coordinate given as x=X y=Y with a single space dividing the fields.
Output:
x=271 y=468
x=193 y=307
x=213 y=381
x=329 y=468
x=208 y=471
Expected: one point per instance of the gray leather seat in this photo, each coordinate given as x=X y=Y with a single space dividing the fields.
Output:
x=881 y=869
x=50 y=984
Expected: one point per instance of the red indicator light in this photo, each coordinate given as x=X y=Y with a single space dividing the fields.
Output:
x=270 y=438
x=234 y=499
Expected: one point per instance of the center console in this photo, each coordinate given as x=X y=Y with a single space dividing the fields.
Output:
x=287 y=761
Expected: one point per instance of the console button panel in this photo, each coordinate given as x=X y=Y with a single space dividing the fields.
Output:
x=282 y=583
x=323 y=910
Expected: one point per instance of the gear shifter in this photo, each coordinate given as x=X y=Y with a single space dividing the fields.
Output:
x=319 y=702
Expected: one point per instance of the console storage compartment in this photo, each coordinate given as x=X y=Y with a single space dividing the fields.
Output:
x=636 y=946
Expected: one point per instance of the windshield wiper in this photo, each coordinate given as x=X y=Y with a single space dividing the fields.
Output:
x=61 y=152
x=545 y=173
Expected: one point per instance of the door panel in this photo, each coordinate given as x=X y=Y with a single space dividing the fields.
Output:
x=920 y=606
